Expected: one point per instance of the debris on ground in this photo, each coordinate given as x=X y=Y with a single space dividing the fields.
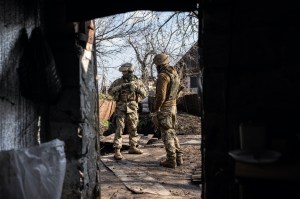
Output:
x=141 y=176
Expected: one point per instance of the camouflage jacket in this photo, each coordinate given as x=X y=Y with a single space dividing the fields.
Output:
x=163 y=87
x=128 y=94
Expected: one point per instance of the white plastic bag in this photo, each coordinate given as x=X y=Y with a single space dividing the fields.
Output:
x=33 y=173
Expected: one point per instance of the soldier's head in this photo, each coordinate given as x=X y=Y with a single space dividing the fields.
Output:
x=161 y=60
x=126 y=69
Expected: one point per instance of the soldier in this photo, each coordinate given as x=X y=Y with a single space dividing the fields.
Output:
x=128 y=91
x=167 y=89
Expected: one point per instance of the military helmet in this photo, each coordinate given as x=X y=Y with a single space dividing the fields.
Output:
x=161 y=59
x=126 y=67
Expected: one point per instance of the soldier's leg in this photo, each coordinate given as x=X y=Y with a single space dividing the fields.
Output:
x=168 y=139
x=120 y=123
x=179 y=152
x=167 y=134
x=131 y=123
x=169 y=143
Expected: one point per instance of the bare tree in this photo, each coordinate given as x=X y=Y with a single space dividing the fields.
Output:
x=147 y=33
x=172 y=33
x=110 y=34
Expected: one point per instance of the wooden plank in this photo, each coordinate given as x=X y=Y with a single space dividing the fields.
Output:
x=110 y=139
x=143 y=140
x=189 y=142
x=196 y=178
x=135 y=180
x=189 y=136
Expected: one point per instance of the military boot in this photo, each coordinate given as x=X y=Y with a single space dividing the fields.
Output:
x=134 y=150
x=170 y=163
x=118 y=155
x=179 y=160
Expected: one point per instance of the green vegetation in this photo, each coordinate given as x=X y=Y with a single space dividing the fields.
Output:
x=105 y=96
x=105 y=123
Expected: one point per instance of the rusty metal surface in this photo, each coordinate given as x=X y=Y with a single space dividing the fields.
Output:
x=107 y=108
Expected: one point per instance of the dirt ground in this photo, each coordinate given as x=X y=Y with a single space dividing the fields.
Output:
x=141 y=176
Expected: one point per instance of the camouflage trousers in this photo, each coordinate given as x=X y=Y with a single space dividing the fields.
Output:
x=130 y=120
x=167 y=120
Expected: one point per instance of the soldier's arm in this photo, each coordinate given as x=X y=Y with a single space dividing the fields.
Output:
x=141 y=89
x=161 y=90
x=114 y=88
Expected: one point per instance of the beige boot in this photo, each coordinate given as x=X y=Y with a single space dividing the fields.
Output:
x=118 y=155
x=170 y=163
x=179 y=160
x=134 y=150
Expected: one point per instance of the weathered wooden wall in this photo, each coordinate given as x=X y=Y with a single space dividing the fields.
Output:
x=19 y=117
x=74 y=117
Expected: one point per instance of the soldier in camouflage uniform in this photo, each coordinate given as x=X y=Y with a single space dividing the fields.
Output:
x=127 y=91
x=167 y=89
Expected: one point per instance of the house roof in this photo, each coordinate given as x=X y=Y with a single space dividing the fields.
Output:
x=190 y=61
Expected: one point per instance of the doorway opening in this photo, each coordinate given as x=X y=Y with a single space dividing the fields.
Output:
x=136 y=37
